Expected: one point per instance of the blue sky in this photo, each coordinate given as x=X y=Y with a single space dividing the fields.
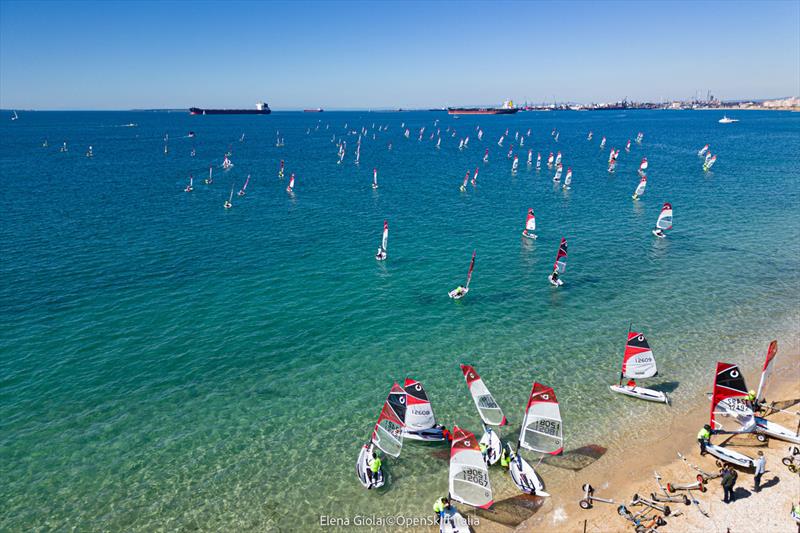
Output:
x=121 y=55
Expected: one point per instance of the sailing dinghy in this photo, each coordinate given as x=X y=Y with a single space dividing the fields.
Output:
x=638 y=362
x=730 y=412
x=640 y=188
x=387 y=436
x=381 y=255
x=524 y=476
x=541 y=428
x=560 y=265
x=491 y=442
x=374 y=178
x=420 y=422
x=243 y=190
x=469 y=475
x=664 y=222
x=530 y=225
x=228 y=203
x=764 y=426
x=490 y=412
x=453 y=522
x=459 y=292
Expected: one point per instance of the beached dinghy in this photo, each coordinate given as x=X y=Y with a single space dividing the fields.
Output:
x=387 y=436
x=453 y=522
x=494 y=447
x=420 y=422
x=381 y=255
x=525 y=477
x=530 y=225
x=541 y=428
x=459 y=292
x=560 y=265
x=638 y=362
x=469 y=475
x=664 y=222
x=730 y=412
x=764 y=426
x=484 y=401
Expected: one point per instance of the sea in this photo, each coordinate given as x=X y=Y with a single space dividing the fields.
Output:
x=167 y=364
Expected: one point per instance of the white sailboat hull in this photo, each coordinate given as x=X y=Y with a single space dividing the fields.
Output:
x=641 y=393
x=729 y=456
x=529 y=235
x=776 y=431
x=362 y=465
x=525 y=478
x=453 y=522
x=557 y=282
x=455 y=295
x=491 y=440
x=426 y=435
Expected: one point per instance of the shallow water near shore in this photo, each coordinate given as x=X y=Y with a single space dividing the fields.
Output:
x=167 y=364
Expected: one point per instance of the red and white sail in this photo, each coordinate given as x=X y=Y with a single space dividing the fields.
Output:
x=643 y=165
x=702 y=150
x=244 y=187
x=641 y=187
x=541 y=429
x=561 y=257
x=471 y=266
x=530 y=222
x=388 y=432
x=475 y=177
x=638 y=360
x=466 y=179
x=487 y=407
x=385 y=237
x=469 y=475
x=290 y=187
x=419 y=413
x=730 y=410
x=664 y=221
x=772 y=351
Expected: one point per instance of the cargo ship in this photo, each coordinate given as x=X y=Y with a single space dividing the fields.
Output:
x=506 y=109
x=260 y=109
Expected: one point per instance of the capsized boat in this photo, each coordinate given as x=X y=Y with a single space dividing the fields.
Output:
x=525 y=477
x=530 y=225
x=664 y=222
x=560 y=266
x=541 y=428
x=420 y=422
x=490 y=412
x=459 y=292
x=469 y=475
x=730 y=412
x=381 y=255
x=640 y=188
x=638 y=362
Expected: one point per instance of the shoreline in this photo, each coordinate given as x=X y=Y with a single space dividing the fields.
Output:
x=624 y=471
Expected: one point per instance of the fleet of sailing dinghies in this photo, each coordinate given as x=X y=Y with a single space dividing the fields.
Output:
x=490 y=412
x=459 y=292
x=469 y=475
x=381 y=255
x=638 y=362
x=541 y=428
x=420 y=422
x=530 y=225
x=664 y=222
x=560 y=266
x=730 y=412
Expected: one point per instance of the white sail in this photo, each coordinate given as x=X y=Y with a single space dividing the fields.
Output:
x=541 y=429
x=385 y=238
x=419 y=413
x=469 y=475
x=388 y=432
x=664 y=221
x=640 y=188
x=487 y=407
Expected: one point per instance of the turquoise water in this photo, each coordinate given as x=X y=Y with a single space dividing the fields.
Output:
x=170 y=365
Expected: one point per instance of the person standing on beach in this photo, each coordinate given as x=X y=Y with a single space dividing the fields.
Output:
x=761 y=464
x=729 y=476
x=702 y=437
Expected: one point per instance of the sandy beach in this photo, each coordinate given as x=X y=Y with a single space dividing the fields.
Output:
x=627 y=470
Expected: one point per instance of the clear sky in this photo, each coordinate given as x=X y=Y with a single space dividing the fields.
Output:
x=121 y=55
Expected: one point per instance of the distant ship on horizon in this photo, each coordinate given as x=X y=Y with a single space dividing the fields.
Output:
x=506 y=109
x=260 y=109
x=317 y=110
